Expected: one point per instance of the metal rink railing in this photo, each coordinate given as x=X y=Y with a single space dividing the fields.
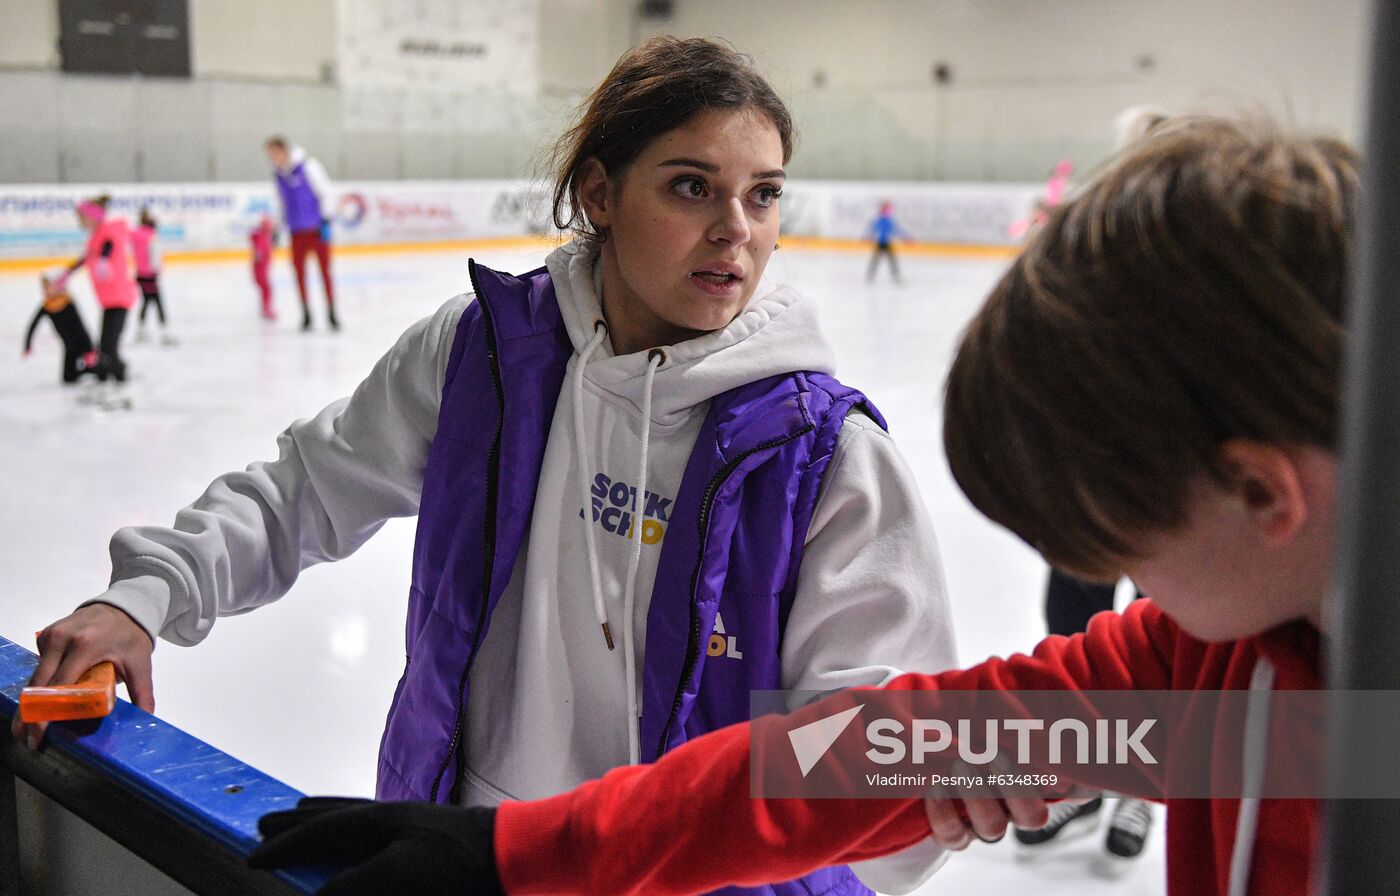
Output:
x=129 y=804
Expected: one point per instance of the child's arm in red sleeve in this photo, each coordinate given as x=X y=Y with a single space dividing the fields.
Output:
x=688 y=825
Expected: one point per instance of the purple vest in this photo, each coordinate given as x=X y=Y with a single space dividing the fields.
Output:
x=733 y=545
x=300 y=206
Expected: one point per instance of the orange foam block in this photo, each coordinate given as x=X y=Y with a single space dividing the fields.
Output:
x=91 y=697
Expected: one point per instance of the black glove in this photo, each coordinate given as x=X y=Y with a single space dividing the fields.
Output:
x=408 y=848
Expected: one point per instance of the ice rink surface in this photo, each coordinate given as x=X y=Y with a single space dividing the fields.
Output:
x=300 y=688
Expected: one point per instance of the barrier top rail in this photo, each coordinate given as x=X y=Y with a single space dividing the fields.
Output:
x=184 y=806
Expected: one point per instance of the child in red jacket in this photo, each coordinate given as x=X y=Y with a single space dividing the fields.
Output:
x=1151 y=389
x=263 y=238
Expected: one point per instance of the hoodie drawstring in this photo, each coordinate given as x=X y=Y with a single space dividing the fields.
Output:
x=655 y=358
x=600 y=332
x=1256 y=754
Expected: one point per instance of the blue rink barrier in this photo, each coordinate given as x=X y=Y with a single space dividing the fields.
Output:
x=172 y=800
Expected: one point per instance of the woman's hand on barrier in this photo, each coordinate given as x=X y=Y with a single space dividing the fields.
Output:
x=81 y=640
x=404 y=847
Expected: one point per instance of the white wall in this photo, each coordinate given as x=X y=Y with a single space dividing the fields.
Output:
x=28 y=34
x=578 y=48
x=290 y=40
x=1033 y=81
x=258 y=68
x=282 y=40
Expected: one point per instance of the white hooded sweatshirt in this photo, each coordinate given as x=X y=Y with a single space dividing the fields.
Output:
x=550 y=704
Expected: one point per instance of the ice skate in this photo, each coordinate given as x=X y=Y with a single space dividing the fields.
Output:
x=1067 y=821
x=91 y=391
x=1128 y=828
x=168 y=341
x=116 y=398
x=142 y=335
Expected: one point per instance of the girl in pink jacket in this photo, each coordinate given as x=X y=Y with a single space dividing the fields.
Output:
x=108 y=260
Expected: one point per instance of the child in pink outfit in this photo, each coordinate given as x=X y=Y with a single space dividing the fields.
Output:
x=1055 y=189
x=147 y=258
x=108 y=260
x=263 y=238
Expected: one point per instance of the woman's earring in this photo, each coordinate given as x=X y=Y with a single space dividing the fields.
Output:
x=776 y=247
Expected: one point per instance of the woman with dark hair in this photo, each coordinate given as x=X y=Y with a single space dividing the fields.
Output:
x=641 y=492
x=1153 y=387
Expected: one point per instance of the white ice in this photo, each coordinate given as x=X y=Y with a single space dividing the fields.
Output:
x=300 y=688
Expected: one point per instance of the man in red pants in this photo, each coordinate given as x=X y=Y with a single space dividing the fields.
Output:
x=303 y=192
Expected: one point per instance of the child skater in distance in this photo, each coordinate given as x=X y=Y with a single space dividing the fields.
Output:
x=303 y=195
x=1056 y=188
x=147 y=258
x=641 y=492
x=1152 y=389
x=58 y=307
x=884 y=231
x=107 y=257
x=263 y=238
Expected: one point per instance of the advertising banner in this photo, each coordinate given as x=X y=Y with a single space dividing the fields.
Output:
x=983 y=214
x=39 y=221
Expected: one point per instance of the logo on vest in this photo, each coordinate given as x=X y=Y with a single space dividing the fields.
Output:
x=722 y=643
x=615 y=510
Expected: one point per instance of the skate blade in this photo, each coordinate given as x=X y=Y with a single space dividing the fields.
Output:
x=1073 y=831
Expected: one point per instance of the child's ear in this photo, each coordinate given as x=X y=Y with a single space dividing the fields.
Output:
x=594 y=193
x=1267 y=478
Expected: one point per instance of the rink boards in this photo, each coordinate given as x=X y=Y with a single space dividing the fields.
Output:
x=38 y=221
x=132 y=805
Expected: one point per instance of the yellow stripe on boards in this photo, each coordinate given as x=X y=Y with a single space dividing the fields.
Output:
x=797 y=243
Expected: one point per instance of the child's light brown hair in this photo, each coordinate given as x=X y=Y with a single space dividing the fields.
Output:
x=1191 y=294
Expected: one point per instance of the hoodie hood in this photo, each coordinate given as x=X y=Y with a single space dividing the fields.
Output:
x=295 y=156
x=776 y=333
